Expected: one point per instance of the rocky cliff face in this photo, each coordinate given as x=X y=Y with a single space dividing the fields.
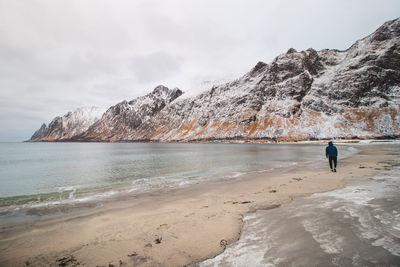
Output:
x=300 y=95
x=72 y=124
x=122 y=121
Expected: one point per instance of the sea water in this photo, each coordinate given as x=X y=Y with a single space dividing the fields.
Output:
x=358 y=225
x=35 y=174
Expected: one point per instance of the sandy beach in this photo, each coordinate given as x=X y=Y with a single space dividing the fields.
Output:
x=170 y=228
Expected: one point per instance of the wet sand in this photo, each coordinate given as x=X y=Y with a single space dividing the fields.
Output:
x=170 y=228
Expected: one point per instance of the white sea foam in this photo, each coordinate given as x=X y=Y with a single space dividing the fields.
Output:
x=389 y=244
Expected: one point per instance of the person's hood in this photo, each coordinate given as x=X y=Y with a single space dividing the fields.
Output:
x=330 y=143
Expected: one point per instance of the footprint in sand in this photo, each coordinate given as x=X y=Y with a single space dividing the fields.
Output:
x=136 y=260
x=163 y=226
x=158 y=240
x=133 y=254
x=211 y=216
x=241 y=202
x=190 y=214
x=297 y=179
x=273 y=191
x=204 y=207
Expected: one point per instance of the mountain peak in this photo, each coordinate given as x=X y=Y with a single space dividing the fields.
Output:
x=164 y=92
x=40 y=132
x=258 y=68
x=387 y=31
x=160 y=89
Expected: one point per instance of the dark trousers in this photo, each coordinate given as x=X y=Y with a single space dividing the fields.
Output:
x=332 y=160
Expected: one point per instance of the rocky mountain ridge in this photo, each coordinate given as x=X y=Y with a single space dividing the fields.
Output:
x=119 y=121
x=299 y=95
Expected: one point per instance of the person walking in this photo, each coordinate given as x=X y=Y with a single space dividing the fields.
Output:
x=331 y=153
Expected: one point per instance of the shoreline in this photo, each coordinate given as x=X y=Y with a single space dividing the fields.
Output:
x=176 y=228
x=75 y=194
x=238 y=140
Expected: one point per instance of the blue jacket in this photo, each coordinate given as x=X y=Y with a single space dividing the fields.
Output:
x=331 y=150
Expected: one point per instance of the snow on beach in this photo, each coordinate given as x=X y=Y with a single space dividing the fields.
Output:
x=358 y=225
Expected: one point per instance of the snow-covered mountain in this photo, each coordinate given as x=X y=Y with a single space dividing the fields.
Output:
x=299 y=95
x=69 y=125
x=122 y=121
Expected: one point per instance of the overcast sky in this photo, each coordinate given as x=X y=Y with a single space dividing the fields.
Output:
x=56 y=56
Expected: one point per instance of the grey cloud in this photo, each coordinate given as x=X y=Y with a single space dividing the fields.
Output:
x=155 y=66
